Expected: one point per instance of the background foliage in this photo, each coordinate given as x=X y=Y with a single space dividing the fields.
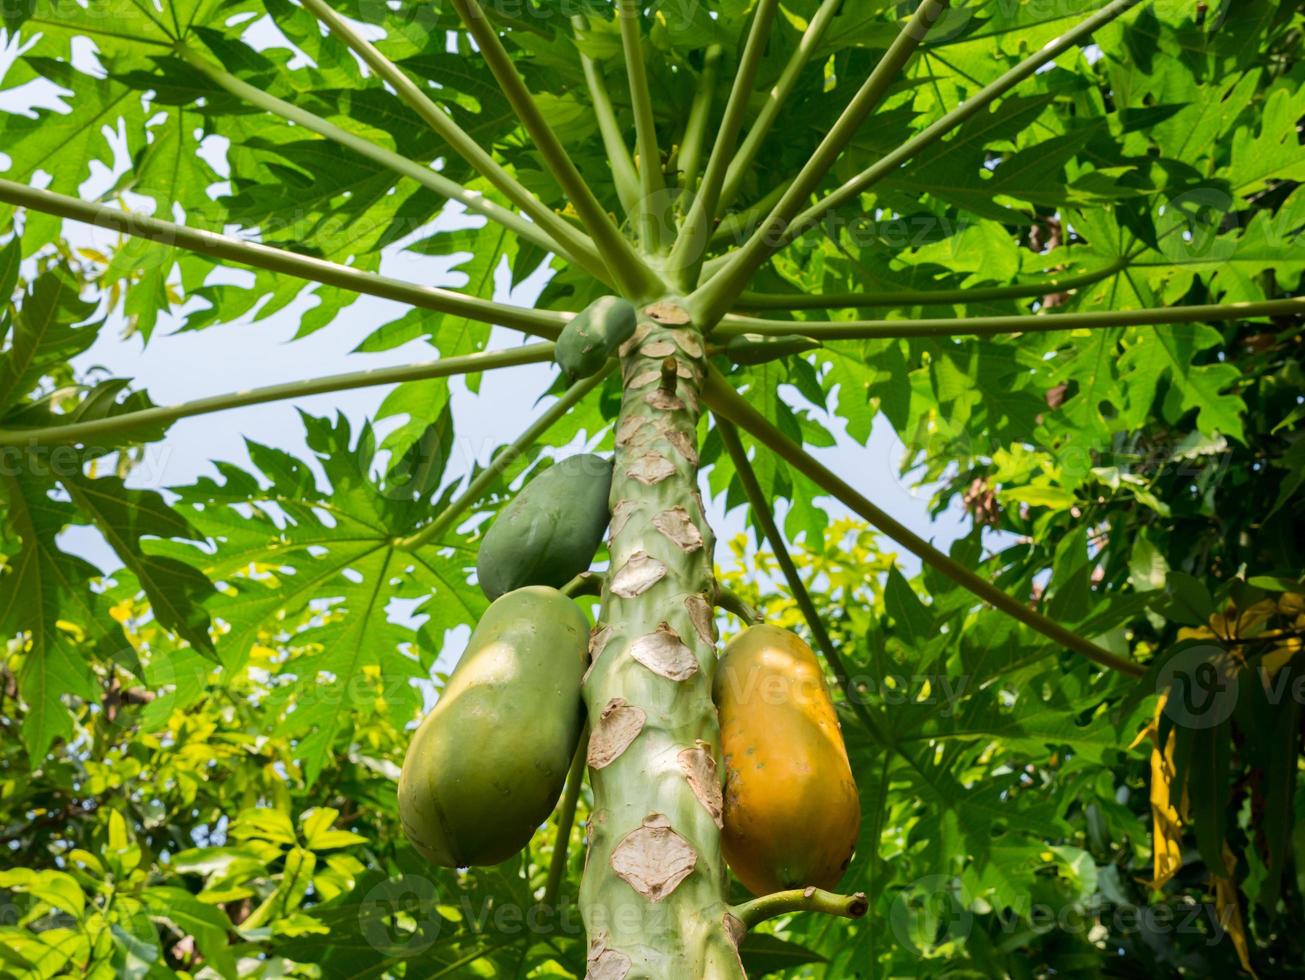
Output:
x=200 y=749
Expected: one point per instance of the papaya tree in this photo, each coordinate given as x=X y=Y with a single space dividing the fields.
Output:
x=1053 y=247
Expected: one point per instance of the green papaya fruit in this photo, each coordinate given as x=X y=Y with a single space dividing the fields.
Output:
x=487 y=765
x=594 y=335
x=551 y=531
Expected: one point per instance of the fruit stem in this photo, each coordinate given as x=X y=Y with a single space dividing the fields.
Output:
x=732 y=602
x=565 y=820
x=800 y=900
x=586 y=583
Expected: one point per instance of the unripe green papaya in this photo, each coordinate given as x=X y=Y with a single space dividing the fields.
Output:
x=486 y=766
x=551 y=531
x=594 y=335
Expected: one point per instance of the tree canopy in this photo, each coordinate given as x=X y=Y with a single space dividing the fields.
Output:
x=1054 y=246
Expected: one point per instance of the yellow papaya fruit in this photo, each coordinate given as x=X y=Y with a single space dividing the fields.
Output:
x=485 y=768
x=791 y=808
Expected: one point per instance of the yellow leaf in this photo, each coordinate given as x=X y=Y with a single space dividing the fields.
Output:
x=1166 y=821
x=1277 y=658
x=1229 y=909
x=121 y=612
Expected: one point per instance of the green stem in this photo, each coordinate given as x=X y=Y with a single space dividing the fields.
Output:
x=442 y=123
x=800 y=900
x=690 y=249
x=735 y=229
x=930 y=135
x=586 y=583
x=985 y=326
x=116 y=425
x=754 y=349
x=425 y=176
x=499 y=464
x=766 y=518
x=651 y=180
x=632 y=276
x=565 y=820
x=726 y=402
x=624 y=175
x=541 y=323
x=765 y=120
x=734 y=603
x=695 y=129
x=712 y=299
x=925 y=297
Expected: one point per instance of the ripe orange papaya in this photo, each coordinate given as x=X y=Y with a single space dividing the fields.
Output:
x=485 y=768
x=791 y=808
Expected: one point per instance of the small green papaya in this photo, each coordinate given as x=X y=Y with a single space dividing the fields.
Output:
x=594 y=335
x=551 y=531
x=487 y=765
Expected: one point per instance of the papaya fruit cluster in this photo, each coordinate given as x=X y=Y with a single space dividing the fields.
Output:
x=488 y=764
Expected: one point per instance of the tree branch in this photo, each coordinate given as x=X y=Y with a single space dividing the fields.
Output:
x=505 y=458
x=540 y=323
x=930 y=135
x=690 y=249
x=775 y=100
x=689 y=159
x=726 y=402
x=116 y=425
x=718 y=294
x=925 y=297
x=986 y=326
x=624 y=176
x=632 y=276
x=442 y=123
x=800 y=900
x=766 y=519
x=424 y=175
x=651 y=180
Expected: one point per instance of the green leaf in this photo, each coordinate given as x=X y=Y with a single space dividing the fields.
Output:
x=911 y=616
x=763 y=954
x=209 y=925
x=126 y=516
x=1189 y=601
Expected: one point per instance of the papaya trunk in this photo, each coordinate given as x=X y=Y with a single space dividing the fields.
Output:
x=653 y=895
